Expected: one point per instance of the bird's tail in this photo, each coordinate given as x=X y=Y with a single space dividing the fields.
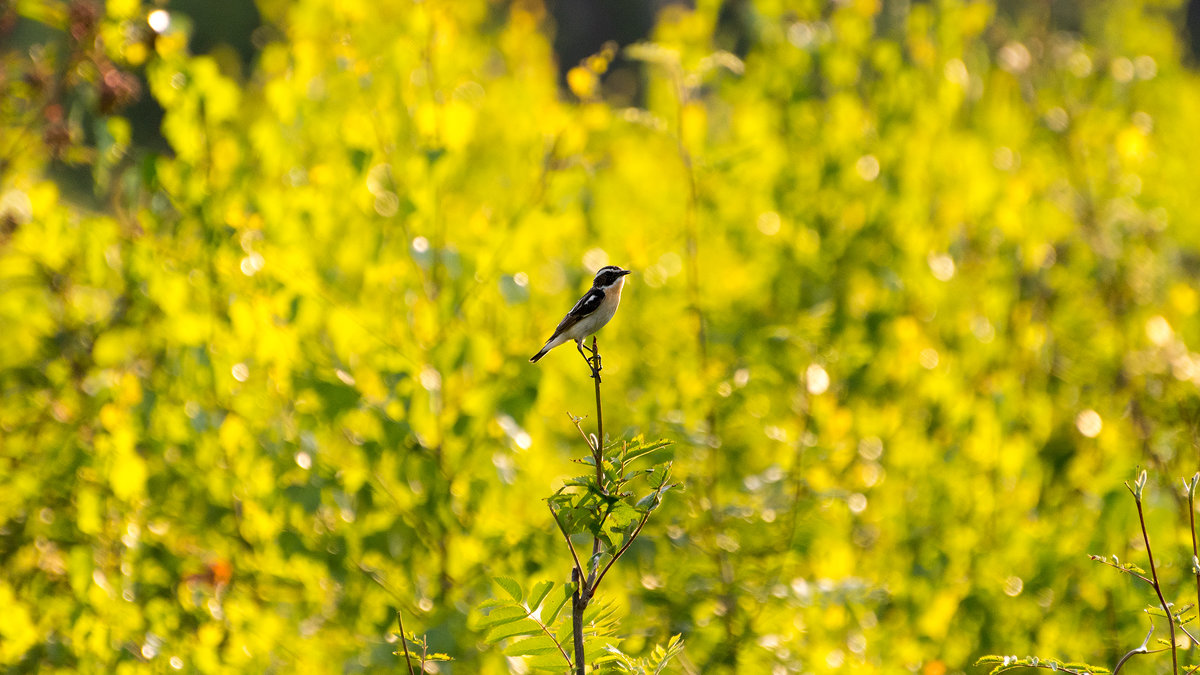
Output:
x=554 y=341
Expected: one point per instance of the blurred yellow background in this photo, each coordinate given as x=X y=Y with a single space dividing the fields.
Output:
x=914 y=292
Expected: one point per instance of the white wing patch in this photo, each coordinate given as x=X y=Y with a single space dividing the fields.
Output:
x=589 y=303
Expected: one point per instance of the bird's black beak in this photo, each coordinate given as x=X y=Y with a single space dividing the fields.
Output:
x=624 y=272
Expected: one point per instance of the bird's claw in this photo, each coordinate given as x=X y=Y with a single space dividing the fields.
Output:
x=593 y=361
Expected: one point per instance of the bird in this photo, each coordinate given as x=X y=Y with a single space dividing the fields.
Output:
x=589 y=315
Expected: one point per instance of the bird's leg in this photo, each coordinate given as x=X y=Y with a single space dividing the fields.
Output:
x=592 y=361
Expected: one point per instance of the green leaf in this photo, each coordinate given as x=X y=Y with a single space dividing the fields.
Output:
x=598 y=650
x=547 y=662
x=649 y=502
x=659 y=474
x=501 y=616
x=600 y=618
x=663 y=655
x=523 y=626
x=510 y=586
x=491 y=603
x=1005 y=664
x=634 y=453
x=538 y=593
x=622 y=516
x=534 y=646
x=563 y=596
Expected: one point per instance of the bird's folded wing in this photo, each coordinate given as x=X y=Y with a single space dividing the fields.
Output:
x=589 y=303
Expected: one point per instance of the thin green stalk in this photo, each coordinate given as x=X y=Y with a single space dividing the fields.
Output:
x=404 y=642
x=624 y=548
x=567 y=538
x=598 y=450
x=1192 y=521
x=585 y=586
x=1157 y=587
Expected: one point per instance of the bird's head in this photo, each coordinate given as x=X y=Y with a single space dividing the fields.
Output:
x=608 y=275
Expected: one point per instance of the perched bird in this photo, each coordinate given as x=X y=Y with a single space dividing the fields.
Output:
x=592 y=311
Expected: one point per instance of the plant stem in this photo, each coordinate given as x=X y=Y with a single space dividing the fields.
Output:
x=1158 y=588
x=624 y=548
x=585 y=585
x=578 y=605
x=598 y=451
x=597 y=455
x=567 y=538
x=404 y=642
x=1195 y=554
